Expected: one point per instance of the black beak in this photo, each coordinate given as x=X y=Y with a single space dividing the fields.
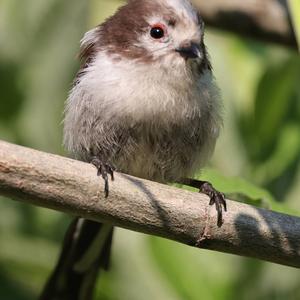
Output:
x=189 y=50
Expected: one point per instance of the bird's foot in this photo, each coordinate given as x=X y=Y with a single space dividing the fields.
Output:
x=104 y=169
x=216 y=198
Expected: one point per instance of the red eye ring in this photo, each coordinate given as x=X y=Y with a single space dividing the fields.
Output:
x=158 y=31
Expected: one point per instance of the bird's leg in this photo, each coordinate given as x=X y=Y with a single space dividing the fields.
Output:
x=216 y=198
x=103 y=169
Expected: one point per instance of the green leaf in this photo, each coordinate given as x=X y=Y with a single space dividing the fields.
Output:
x=274 y=97
x=286 y=152
x=294 y=8
x=193 y=275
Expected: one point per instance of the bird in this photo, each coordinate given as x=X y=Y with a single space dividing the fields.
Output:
x=144 y=102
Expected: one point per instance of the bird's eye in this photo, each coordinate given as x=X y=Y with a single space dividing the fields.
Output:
x=157 y=31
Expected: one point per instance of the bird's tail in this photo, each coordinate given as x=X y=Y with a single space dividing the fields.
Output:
x=85 y=251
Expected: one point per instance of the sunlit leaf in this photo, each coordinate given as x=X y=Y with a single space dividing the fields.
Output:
x=294 y=7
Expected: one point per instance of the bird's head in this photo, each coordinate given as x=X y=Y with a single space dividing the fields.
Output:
x=168 y=31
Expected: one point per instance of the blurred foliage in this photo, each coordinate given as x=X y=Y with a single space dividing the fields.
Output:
x=257 y=159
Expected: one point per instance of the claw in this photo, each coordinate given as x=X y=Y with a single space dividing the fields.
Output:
x=103 y=169
x=216 y=198
x=106 y=188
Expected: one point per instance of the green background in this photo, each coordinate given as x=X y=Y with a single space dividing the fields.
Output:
x=256 y=159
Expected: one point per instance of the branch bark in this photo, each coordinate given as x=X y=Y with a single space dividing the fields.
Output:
x=72 y=187
x=267 y=20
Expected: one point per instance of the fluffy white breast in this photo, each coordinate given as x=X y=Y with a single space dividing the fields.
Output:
x=144 y=90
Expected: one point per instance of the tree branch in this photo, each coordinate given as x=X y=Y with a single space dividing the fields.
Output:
x=72 y=186
x=267 y=20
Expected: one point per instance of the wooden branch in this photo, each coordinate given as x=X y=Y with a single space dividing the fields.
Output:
x=72 y=186
x=267 y=20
